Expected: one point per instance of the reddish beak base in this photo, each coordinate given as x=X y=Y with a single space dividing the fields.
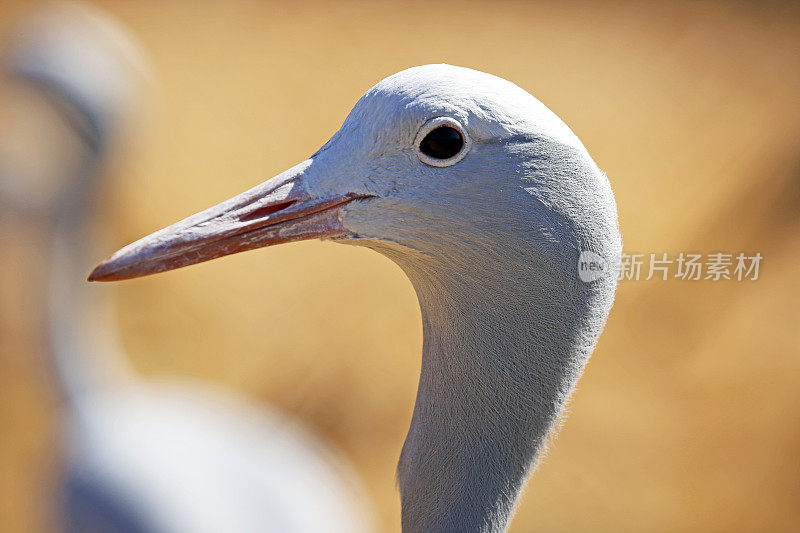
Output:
x=274 y=212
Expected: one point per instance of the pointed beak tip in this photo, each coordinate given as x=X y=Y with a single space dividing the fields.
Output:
x=102 y=272
x=96 y=274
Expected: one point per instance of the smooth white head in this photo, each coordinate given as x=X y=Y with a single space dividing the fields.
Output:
x=486 y=199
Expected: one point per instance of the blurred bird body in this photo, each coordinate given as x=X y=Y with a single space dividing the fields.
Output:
x=148 y=456
x=486 y=200
x=172 y=456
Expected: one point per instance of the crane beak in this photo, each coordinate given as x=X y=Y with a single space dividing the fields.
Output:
x=277 y=211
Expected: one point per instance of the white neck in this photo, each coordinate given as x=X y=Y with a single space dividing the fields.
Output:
x=500 y=359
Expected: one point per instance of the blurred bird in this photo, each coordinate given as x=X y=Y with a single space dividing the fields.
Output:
x=145 y=456
x=486 y=200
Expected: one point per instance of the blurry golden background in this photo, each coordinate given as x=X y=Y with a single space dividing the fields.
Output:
x=687 y=416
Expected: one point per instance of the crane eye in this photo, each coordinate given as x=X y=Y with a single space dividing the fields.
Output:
x=442 y=142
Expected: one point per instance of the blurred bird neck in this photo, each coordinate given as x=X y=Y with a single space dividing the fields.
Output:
x=498 y=363
x=82 y=343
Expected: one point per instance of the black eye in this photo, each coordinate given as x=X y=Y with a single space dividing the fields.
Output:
x=443 y=142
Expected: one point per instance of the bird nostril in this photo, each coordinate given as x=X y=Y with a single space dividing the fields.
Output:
x=266 y=211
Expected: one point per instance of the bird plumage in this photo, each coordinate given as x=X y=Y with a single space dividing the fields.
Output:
x=490 y=239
